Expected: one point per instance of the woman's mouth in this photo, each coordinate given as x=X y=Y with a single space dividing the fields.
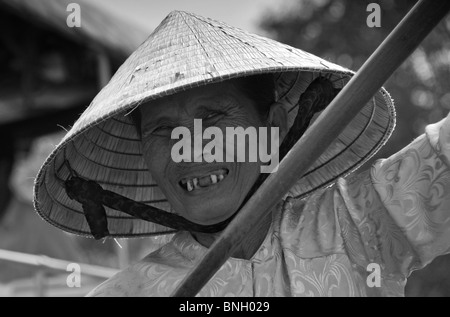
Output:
x=198 y=182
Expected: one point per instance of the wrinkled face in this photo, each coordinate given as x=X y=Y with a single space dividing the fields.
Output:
x=205 y=193
x=201 y=192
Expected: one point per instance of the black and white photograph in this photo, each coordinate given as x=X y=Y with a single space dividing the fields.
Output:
x=247 y=149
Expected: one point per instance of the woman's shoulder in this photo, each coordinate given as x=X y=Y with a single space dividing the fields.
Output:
x=308 y=227
x=126 y=283
x=143 y=278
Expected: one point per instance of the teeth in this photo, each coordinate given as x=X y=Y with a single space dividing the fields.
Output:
x=196 y=183
x=189 y=186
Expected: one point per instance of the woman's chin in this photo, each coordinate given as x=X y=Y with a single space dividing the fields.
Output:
x=207 y=219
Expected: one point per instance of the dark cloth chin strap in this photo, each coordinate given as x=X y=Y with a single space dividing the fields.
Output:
x=94 y=198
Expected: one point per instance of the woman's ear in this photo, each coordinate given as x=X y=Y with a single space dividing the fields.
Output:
x=278 y=117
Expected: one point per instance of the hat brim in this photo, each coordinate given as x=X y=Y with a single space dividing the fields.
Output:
x=104 y=146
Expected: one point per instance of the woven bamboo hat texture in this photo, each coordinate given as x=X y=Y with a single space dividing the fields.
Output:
x=186 y=51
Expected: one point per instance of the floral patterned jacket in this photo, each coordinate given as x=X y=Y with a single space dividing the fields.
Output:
x=361 y=237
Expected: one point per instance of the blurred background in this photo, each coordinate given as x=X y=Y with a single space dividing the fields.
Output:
x=49 y=73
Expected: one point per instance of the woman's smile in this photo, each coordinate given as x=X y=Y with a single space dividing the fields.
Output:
x=199 y=183
x=203 y=192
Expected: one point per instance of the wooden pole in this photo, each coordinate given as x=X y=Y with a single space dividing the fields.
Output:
x=403 y=40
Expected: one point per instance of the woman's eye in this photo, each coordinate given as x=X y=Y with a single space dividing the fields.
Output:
x=162 y=131
x=212 y=115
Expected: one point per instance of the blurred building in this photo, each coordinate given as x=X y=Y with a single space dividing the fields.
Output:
x=50 y=72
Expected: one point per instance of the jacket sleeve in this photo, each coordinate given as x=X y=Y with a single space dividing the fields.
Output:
x=398 y=213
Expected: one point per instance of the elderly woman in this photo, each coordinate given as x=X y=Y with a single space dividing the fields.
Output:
x=118 y=173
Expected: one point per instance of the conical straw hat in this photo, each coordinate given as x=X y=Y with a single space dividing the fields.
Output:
x=186 y=51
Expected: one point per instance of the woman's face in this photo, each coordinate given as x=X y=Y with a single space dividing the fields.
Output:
x=205 y=193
